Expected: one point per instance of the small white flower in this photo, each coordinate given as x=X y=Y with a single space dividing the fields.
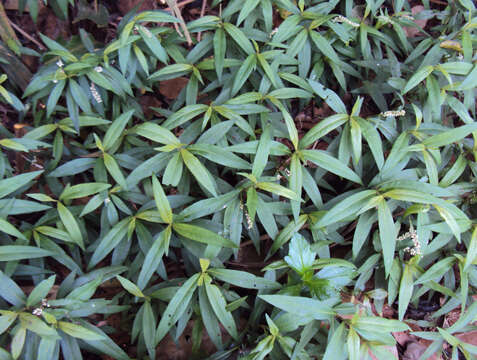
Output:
x=394 y=113
x=37 y=311
x=342 y=19
x=54 y=81
x=95 y=93
x=249 y=220
x=98 y=69
x=106 y=201
x=59 y=63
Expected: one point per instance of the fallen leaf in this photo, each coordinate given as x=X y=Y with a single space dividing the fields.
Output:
x=127 y=5
x=414 y=350
x=468 y=337
x=414 y=31
x=171 y=88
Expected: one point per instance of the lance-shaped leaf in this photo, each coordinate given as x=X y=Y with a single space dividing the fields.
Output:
x=302 y=306
x=176 y=307
x=333 y=165
x=202 y=235
x=70 y=224
x=199 y=171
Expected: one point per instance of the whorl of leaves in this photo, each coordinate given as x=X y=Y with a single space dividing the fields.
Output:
x=334 y=150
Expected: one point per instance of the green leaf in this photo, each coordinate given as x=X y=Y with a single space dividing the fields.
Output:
x=218 y=303
x=85 y=291
x=154 y=257
x=471 y=250
x=39 y=327
x=82 y=190
x=149 y=328
x=387 y=234
x=17 y=342
x=437 y=270
x=54 y=96
x=267 y=69
x=40 y=291
x=153 y=43
x=183 y=115
x=78 y=331
x=162 y=203
x=209 y=319
x=263 y=151
x=173 y=173
x=278 y=190
x=301 y=306
x=157 y=133
x=345 y=208
x=220 y=45
x=199 y=171
x=287 y=232
x=219 y=155
x=11 y=184
x=79 y=96
x=176 y=307
x=321 y=129
x=418 y=76
x=10 y=291
x=244 y=72
x=336 y=348
x=171 y=72
x=70 y=224
x=9 y=229
x=130 y=286
x=6 y=319
x=450 y=136
x=243 y=279
x=106 y=345
x=116 y=129
x=379 y=324
x=324 y=46
x=354 y=344
x=202 y=235
x=406 y=288
x=331 y=164
x=110 y=241
x=114 y=170
x=20 y=252
x=239 y=37
x=300 y=257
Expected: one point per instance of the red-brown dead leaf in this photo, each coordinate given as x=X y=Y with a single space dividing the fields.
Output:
x=468 y=337
x=171 y=88
x=403 y=337
x=414 y=350
x=413 y=31
x=127 y=5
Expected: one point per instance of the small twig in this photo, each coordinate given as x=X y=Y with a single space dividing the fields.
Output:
x=202 y=13
x=26 y=35
x=177 y=12
x=181 y=4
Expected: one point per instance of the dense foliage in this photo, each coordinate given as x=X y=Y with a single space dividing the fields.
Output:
x=317 y=168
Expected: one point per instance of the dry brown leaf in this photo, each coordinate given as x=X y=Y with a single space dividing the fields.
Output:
x=468 y=337
x=126 y=5
x=414 y=350
x=171 y=88
x=412 y=31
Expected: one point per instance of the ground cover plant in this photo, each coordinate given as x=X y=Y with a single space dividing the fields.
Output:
x=258 y=179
